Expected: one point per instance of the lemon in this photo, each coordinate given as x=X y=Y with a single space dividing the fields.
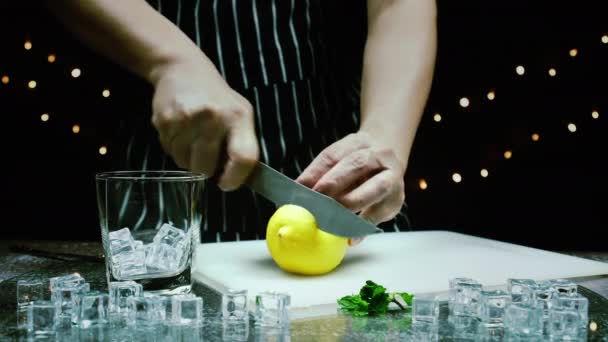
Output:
x=297 y=244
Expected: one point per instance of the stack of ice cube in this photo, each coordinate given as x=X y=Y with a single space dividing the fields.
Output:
x=528 y=309
x=128 y=256
x=169 y=246
x=132 y=257
x=74 y=305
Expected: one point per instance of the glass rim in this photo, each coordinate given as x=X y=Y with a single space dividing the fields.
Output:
x=155 y=175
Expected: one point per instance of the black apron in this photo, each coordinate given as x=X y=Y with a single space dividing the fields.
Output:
x=289 y=58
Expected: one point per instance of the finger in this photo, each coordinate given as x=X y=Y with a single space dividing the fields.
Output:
x=329 y=157
x=348 y=172
x=384 y=210
x=167 y=128
x=370 y=192
x=242 y=154
x=355 y=241
x=180 y=147
x=204 y=155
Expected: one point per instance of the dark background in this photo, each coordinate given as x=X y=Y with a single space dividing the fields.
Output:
x=551 y=194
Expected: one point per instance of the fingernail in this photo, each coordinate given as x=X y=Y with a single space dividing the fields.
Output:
x=354 y=241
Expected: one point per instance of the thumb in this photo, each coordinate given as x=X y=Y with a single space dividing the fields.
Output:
x=355 y=241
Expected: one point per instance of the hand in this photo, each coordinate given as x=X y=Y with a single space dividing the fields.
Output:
x=196 y=114
x=360 y=173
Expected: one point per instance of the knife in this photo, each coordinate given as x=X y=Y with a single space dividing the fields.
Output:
x=331 y=216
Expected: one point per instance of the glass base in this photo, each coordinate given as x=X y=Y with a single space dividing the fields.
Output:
x=177 y=284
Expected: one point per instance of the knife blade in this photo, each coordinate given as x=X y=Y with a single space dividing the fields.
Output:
x=331 y=216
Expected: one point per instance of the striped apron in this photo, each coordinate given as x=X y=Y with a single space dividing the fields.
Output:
x=287 y=58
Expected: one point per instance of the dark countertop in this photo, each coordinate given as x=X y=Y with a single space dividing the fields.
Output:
x=44 y=259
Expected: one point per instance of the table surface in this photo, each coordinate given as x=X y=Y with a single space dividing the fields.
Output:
x=44 y=259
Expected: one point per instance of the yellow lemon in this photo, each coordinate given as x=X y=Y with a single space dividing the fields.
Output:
x=297 y=244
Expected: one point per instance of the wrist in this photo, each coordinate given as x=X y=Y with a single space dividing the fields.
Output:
x=397 y=144
x=167 y=64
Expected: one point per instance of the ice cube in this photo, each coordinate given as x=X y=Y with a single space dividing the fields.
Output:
x=521 y=290
x=464 y=296
x=27 y=293
x=543 y=295
x=121 y=241
x=492 y=307
x=129 y=264
x=272 y=309
x=69 y=280
x=76 y=304
x=64 y=298
x=464 y=327
x=163 y=257
x=489 y=333
x=169 y=235
x=187 y=310
x=93 y=310
x=170 y=245
x=138 y=244
x=524 y=321
x=145 y=311
x=564 y=286
x=425 y=309
x=576 y=302
x=564 y=324
x=235 y=330
x=234 y=304
x=42 y=318
x=120 y=291
x=424 y=332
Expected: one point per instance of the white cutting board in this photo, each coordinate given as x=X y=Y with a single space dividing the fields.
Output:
x=416 y=262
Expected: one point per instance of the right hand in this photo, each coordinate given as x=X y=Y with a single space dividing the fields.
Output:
x=197 y=114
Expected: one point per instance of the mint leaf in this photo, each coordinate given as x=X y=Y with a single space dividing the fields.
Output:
x=406 y=297
x=354 y=304
x=367 y=291
x=378 y=304
x=373 y=300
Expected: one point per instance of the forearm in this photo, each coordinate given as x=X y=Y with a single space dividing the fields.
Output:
x=129 y=32
x=398 y=69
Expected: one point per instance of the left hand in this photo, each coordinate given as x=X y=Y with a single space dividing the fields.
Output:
x=360 y=173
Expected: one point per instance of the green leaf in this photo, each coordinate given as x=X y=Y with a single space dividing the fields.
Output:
x=354 y=304
x=367 y=291
x=371 y=300
x=406 y=297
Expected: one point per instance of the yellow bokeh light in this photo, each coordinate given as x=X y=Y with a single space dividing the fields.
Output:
x=423 y=184
x=595 y=114
x=456 y=177
x=535 y=137
x=76 y=72
x=103 y=150
x=491 y=95
x=605 y=39
x=508 y=154
x=44 y=117
x=76 y=129
x=464 y=102
x=520 y=70
x=552 y=72
x=5 y=79
x=51 y=58
x=27 y=45
x=572 y=127
x=437 y=117
x=484 y=173
x=31 y=84
x=573 y=52
x=105 y=93
x=593 y=326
